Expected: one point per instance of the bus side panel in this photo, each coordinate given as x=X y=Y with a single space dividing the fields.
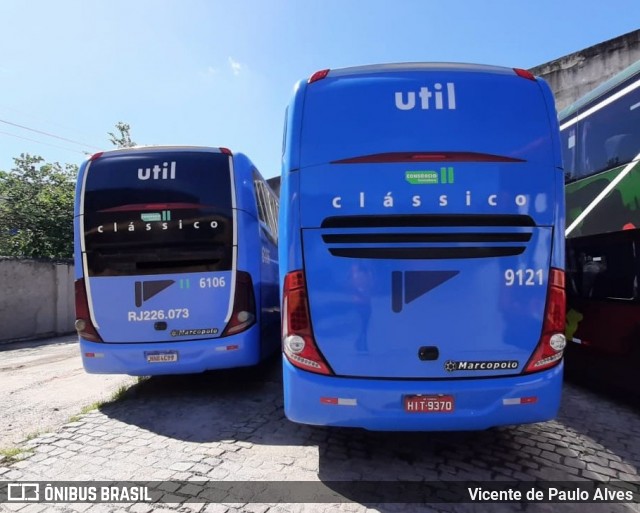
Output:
x=290 y=243
x=257 y=254
x=254 y=256
x=77 y=218
x=289 y=250
x=244 y=186
x=293 y=126
x=558 y=253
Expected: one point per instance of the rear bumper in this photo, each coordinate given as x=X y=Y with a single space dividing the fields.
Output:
x=378 y=404
x=193 y=356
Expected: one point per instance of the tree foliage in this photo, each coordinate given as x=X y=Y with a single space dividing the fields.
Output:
x=36 y=208
x=36 y=204
x=121 y=139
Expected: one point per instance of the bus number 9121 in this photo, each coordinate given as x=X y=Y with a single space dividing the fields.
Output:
x=526 y=277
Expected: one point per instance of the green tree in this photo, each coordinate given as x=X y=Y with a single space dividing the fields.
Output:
x=36 y=204
x=36 y=208
x=123 y=138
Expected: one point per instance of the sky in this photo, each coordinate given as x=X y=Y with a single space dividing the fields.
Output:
x=221 y=72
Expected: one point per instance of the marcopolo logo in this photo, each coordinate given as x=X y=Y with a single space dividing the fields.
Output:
x=444 y=176
x=452 y=366
x=435 y=98
x=166 y=172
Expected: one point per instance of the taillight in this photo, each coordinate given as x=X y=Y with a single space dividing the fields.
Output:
x=426 y=156
x=298 y=343
x=318 y=75
x=226 y=151
x=552 y=342
x=83 y=324
x=524 y=73
x=244 y=306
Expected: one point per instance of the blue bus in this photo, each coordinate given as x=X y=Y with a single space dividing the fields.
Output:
x=176 y=266
x=422 y=248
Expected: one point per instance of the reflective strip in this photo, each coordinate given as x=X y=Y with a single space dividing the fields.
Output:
x=519 y=400
x=508 y=402
x=340 y=401
x=234 y=260
x=602 y=194
x=232 y=347
x=600 y=105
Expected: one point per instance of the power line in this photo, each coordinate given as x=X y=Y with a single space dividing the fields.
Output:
x=40 y=142
x=49 y=134
x=30 y=119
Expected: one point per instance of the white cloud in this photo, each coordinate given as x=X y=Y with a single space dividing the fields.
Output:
x=236 y=67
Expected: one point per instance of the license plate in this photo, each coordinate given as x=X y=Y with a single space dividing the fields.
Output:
x=429 y=403
x=161 y=356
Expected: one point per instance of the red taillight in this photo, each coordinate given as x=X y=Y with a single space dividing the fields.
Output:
x=318 y=75
x=83 y=324
x=298 y=343
x=524 y=73
x=426 y=156
x=552 y=342
x=96 y=156
x=244 y=306
x=226 y=151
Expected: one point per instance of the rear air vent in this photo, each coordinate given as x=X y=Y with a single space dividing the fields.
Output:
x=427 y=237
x=426 y=253
x=390 y=238
x=427 y=220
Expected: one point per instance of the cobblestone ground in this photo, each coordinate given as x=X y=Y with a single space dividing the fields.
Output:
x=231 y=426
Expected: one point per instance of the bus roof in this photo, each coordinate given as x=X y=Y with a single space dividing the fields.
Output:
x=600 y=90
x=421 y=107
x=418 y=66
x=152 y=148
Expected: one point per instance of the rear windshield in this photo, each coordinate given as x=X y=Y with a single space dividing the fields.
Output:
x=497 y=114
x=155 y=213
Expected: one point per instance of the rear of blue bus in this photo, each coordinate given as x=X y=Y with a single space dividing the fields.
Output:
x=159 y=286
x=421 y=250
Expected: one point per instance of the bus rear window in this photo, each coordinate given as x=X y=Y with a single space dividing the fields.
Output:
x=153 y=212
x=359 y=115
x=194 y=178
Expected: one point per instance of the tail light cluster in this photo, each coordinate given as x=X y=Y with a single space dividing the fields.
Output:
x=83 y=324
x=298 y=343
x=552 y=342
x=244 y=306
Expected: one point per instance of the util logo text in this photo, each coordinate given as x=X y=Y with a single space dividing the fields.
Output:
x=166 y=172
x=435 y=98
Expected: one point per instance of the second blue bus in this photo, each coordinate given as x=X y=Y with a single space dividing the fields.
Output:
x=422 y=248
x=176 y=261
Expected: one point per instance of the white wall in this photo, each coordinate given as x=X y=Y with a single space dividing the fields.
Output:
x=36 y=298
